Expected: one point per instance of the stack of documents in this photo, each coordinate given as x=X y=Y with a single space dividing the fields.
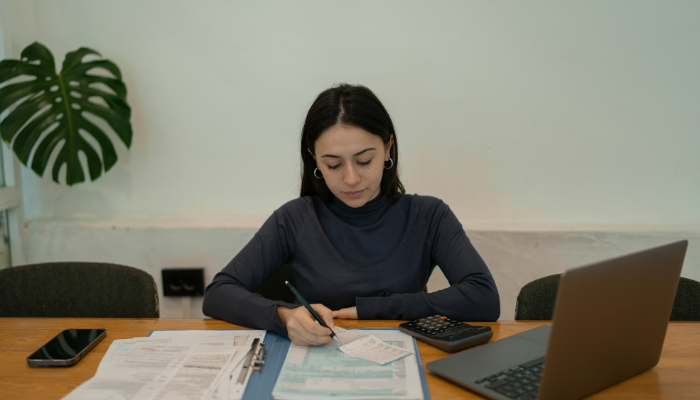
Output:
x=172 y=365
x=369 y=364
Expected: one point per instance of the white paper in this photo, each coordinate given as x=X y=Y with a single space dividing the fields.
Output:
x=345 y=336
x=131 y=371
x=373 y=349
x=121 y=347
x=136 y=369
x=359 y=343
x=323 y=372
x=236 y=337
x=195 y=376
x=226 y=388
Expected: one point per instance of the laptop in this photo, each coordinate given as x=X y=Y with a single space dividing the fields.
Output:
x=609 y=324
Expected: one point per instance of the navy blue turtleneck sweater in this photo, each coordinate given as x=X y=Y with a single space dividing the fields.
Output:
x=377 y=257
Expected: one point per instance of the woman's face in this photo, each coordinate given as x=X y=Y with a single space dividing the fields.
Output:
x=352 y=163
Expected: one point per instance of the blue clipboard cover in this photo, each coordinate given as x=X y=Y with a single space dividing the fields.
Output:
x=276 y=347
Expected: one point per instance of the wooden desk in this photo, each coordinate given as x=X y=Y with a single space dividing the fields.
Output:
x=677 y=376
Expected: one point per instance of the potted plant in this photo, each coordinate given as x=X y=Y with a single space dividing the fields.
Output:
x=56 y=108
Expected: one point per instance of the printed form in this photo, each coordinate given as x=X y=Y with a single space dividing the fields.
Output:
x=131 y=370
x=170 y=365
x=326 y=372
x=195 y=376
x=226 y=388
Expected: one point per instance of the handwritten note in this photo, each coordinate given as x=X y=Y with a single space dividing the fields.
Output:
x=371 y=348
x=365 y=346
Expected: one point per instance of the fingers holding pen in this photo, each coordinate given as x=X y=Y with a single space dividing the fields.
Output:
x=305 y=321
x=325 y=313
x=302 y=327
x=318 y=334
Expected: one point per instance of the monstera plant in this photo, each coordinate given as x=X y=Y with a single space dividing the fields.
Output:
x=56 y=109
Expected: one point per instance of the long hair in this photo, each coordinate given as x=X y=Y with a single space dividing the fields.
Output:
x=351 y=105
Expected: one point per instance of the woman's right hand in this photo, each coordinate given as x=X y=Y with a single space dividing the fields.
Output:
x=302 y=328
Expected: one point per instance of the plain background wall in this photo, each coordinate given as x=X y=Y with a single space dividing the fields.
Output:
x=537 y=116
x=530 y=112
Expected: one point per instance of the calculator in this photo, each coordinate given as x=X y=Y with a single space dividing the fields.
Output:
x=447 y=334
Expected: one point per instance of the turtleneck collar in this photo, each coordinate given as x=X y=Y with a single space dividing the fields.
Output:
x=369 y=211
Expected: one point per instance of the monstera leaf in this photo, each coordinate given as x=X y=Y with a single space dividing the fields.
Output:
x=51 y=110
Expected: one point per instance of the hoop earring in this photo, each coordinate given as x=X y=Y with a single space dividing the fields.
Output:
x=391 y=166
x=317 y=177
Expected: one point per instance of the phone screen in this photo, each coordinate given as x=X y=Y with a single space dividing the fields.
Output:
x=67 y=344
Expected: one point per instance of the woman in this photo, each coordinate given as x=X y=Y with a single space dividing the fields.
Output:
x=359 y=246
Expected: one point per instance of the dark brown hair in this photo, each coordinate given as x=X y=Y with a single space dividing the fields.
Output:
x=352 y=105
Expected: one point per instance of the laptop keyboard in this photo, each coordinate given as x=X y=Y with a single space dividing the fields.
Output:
x=520 y=383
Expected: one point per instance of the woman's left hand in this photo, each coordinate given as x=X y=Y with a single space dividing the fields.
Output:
x=346 y=313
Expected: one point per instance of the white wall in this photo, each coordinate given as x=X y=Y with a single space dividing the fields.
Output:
x=544 y=114
x=539 y=111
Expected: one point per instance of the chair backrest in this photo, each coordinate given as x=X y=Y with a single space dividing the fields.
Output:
x=536 y=300
x=78 y=290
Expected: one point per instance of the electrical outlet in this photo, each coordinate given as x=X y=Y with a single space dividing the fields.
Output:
x=181 y=282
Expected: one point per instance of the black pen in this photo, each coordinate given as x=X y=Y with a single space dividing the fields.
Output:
x=311 y=310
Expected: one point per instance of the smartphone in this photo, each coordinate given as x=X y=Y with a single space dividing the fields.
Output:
x=67 y=348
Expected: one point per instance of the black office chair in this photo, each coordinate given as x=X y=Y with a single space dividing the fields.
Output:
x=77 y=290
x=536 y=300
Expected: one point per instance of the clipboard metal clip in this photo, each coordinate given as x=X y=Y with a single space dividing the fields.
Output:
x=253 y=361
x=258 y=355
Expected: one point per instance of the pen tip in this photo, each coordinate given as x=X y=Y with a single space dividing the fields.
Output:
x=286 y=282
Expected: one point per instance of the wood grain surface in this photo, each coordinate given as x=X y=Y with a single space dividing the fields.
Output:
x=677 y=376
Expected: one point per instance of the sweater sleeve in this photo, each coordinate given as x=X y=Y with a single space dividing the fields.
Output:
x=231 y=294
x=472 y=295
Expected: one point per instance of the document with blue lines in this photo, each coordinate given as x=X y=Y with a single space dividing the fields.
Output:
x=321 y=372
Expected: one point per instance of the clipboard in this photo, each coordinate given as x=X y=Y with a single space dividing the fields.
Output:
x=260 y=385
x=276 y=347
